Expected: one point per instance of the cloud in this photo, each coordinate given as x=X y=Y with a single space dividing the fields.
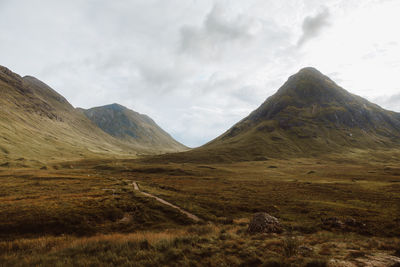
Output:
x=217 y=30
x=394 y=102
x=313 y=25
x=391 y=102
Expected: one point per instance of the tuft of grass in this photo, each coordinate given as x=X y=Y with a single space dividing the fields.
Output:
x=290 y=246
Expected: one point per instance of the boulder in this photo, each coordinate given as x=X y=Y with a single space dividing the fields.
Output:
x=262 y=222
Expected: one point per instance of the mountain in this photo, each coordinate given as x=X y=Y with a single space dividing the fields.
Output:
x=38 y=125
x=309 y=115
x=132 y=127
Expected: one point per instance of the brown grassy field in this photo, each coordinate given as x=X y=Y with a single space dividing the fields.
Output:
x=86 y=213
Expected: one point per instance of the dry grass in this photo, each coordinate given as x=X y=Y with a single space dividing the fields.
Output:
x=37 y=202
x=53 y=244
x=366 y=191
x=224 y=194
x=193 y=246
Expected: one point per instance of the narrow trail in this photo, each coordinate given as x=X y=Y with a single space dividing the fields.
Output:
x=190 y=215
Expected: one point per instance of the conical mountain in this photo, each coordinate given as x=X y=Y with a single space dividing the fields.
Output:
x=309 y=115
x=132 y=127
x=310 y=102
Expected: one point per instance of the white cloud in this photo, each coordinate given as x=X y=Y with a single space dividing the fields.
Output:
x=216 y=33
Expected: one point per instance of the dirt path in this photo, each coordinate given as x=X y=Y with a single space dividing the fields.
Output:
x=190 y=215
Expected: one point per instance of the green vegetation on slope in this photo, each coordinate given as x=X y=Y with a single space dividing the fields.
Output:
x=308 y=116
x=38 y=125
x=132 y=127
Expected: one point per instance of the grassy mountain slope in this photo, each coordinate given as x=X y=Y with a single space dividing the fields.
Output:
x=37 y=124
x=132 y=127
x=309 y=115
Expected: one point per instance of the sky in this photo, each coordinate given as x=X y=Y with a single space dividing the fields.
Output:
x=199 y=66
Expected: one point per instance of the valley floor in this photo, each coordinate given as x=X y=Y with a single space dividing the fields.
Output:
x=88 y=213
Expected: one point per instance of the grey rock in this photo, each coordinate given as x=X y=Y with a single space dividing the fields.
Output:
x=262 y=222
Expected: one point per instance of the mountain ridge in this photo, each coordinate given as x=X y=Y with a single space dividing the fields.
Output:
x=311 y=90
x=309 y=115
x=131 y=126
x=38 y=125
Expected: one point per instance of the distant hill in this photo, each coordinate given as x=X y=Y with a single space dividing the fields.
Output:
x=309 y=115
x=132 y=127
x=39 y=125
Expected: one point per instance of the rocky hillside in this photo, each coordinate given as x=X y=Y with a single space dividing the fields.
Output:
x=309 y=115
x=38 y=125
x=132 y=127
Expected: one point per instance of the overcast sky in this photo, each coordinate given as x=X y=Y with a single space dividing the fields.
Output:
x=199 y=66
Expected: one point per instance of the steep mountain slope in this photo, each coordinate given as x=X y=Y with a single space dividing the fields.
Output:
x=309 y=115
x=39 y=125
x=133 y=127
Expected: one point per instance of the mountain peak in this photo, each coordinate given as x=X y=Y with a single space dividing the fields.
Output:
x=310 y=70
x=115 y=106
x=310 y=95
x=309 y=115
x=309 y=86
x=132 y=127
x=310 y=74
